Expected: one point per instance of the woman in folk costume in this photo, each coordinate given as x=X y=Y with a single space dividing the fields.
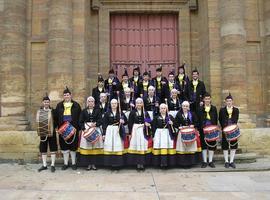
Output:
x=139 y=151
x=46 y=131
x=182 y=81
x=207 y=116
x=135 y=82
x=68 y=112
x=229 y=115
x=91 y=141
x=113 y=128
x=151 y=102
x=174 y=103
x=99 y=89
x=163 y=142
x=103 y=104
x=188 y=153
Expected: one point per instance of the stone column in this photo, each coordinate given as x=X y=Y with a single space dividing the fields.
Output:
x=233 y=55
x=13 y=59
x=59 y=47
x=266 y=16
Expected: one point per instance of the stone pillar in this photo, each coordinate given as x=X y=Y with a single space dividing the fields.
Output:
x=13 y=59
x=59 y=48
x=266 y=16
x=233 y=55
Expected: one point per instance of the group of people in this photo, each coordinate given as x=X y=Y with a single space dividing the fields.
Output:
x=139 y=122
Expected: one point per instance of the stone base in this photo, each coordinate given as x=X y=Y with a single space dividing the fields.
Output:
x=23 y=145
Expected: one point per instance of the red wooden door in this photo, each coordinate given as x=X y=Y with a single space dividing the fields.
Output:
x=146 y=40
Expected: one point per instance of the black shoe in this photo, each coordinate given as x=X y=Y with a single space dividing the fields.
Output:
x=94 y=167
x=232 y=165
x=74 y=167
x=52 y=169
x=42 y=168
x=88 y=168
x=64 y=167
x=227 y=165
x=212 y=165
x=203 y=165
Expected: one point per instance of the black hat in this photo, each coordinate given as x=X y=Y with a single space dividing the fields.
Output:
x=207 y=94
x=171 y=73
x=136 y=68
x=111 y=71
x=66 y=91
x=229 y=96
x=125 y=73
x=195 y=70
x=146 y=73
x=159 y=69
x=46 y=97
x=100 y=79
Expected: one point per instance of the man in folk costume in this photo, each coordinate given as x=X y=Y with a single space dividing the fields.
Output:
x=135 y=82
x=91 y=142
x=196 y=91
x=161 y=84
x=151 y=102
x=171 y=85
x=68 y=111
x=145 y=84
x=164 y=135
x=182 y=81
x=228 y=115
x=140 y=144
x=187 y=154
x=207 y=116
x=125 y=83
x=114 y=134
x=46 y=131
x=112 y=85
x=99 y=89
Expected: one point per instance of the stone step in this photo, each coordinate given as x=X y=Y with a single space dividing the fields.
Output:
x=14 y=127
x=12 y=118
x=239 y=158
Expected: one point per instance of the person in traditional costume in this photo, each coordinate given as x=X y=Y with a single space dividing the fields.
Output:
x=139 y=151
x=68 y=113
x=188 y=147
x=127 y=102
x=135 y=81
x=182 y=81
x=125 y=83
x=91 y=140
x=112 y=85
x=196 y=91
x=103 y=104
x=164 y=136
x=161 y=84
x=46 y=131
x=208 y=117
x=151 y=102
x=171 y=85
x=174 y=103
x=145 y=84
x=99 y=89
x=229 y=115
x=114 y=134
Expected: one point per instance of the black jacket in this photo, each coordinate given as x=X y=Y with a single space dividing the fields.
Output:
x=213 y=116
x=75 y=114
x=224 y=116
x=87 y=117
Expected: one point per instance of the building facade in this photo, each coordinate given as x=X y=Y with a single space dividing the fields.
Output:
x=49 y=44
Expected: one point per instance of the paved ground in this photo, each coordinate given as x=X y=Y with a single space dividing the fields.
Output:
x=24 y=182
